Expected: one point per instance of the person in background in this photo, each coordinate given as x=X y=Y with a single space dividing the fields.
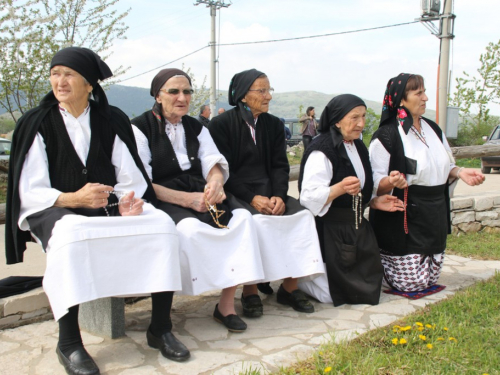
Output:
x=204 y=116
x=411 y=159
x=221 y=110
x=253 y=142
x=309 y=127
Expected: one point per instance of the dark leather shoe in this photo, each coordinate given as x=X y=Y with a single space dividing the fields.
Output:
x=265 y=288
x=169 y=346
x=297 y=299
x=232 y=322
x=78 y=363
x=252 y=306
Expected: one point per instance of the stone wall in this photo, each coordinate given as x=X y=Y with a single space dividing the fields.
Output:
x=475 y=214
x=26 y=308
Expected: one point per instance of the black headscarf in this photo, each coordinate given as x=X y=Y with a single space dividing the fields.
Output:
x=336 y=110
x=238 y=88
x=163 y=76
x=90 y=66
x=391 y=106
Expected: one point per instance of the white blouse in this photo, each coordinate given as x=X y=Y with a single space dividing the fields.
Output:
x=318 y=173
x=35 y=190
x=434 y=163
x=208 y=153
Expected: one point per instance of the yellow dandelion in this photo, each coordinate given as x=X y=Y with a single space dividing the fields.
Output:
x=419 y=324
x=428 y=326
x=395 y=341
x=407 y=328
x=445 y=328
x=402 y=341
x=320 y=353
x=422 y=337
x=452 y=339
x=440 y=339
x=420 y=329
x=429 y=346
x=327 y=370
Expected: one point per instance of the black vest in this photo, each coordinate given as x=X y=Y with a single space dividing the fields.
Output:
x=342 y=166
x=163 y=159
x=66 y=170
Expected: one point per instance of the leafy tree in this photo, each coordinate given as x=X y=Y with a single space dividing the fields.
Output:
x=200 y=96
x=31 y=31
x=474 y=93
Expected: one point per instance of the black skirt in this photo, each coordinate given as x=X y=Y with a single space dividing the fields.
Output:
x=352 y=258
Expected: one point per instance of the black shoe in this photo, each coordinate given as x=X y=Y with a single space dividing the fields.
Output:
x=265 y=288
x=297 y=299
x=232 y=322
x=169 y=346
x=78 y=363
x=252 y=306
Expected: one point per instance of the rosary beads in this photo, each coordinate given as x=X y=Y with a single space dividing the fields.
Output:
x=357 y=207
x=119 y=195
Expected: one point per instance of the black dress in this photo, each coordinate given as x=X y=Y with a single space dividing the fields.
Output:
x=351 y=254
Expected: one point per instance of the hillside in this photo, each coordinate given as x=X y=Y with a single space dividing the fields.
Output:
x=135 y=100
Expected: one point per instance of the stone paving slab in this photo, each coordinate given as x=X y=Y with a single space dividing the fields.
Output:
x=279 y=338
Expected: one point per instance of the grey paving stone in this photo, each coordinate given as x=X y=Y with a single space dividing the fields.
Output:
x=18 y=361
x=274 y=343
x=30 y=301
x=206 y=329
x=200 y=362
x=227 y=344
x=8 y=346
x=142 y=370
x=339 y=313
x=242 y=367
x=116 y=355
x=381 y=320
x=340 y=325
x=288 y=356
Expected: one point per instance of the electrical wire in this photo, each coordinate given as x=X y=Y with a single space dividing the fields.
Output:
x=161 y=66
x=269 y=41
x=320 y=35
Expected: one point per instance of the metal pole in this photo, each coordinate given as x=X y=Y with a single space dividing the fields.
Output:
x=444 y=64
x=213 y=61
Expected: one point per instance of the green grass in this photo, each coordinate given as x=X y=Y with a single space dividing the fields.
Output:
x=293 y=160
x=463 y=331
x=469 y=163
x=476 y=245
x=3 y=192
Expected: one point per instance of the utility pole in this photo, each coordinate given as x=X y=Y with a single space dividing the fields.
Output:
x=430 y=12
x=213 y=5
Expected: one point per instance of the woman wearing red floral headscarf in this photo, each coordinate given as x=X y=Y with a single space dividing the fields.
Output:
x=417 y=153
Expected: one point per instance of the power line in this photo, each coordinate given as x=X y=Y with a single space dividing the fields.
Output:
x=320 y=35
x=161 y=66
x=272 y=41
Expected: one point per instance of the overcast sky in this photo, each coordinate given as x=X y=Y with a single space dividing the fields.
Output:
x=359 y=63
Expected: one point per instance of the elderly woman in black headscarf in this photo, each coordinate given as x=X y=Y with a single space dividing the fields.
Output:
x=335 y=183
x=253 y=142
x=218 y=241
x=412 y=160
x=75 y=184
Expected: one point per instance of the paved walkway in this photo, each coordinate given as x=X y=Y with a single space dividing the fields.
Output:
x=277 y=339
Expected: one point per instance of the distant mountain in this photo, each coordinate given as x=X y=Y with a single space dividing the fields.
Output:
x=135 y=100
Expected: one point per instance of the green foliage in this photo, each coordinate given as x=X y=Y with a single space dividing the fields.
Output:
x=7 y=124
x=32 y=31
x=200 y=96
x=301 y=111
x=470 y=133
x=469 y=163
x=473 y=94
x=371 y=124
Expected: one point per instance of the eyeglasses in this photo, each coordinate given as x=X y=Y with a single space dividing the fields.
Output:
x=263 y=92
x=177 y=91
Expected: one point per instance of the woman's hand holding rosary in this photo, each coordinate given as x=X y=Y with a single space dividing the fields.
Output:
x=129 y=205
x=351 y=185
x=397 y=180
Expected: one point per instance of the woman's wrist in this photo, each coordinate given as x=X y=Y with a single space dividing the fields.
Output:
x=458 y=172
